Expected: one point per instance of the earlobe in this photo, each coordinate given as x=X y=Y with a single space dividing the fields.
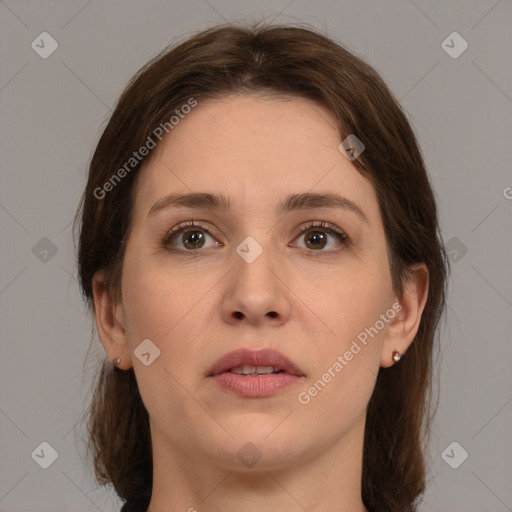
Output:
x=404 y=327
x=110 y=322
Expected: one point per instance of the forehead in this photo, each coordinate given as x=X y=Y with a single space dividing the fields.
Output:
x=253 y=146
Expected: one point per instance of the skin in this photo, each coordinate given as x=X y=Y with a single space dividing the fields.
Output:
x=256 y=150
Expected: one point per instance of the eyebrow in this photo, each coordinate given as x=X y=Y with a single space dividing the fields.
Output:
x=293 y=202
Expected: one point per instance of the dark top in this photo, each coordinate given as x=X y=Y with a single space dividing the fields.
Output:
x=130 y=507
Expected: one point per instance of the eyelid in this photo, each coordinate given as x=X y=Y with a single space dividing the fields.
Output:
x=182 y=225
x=326 y=226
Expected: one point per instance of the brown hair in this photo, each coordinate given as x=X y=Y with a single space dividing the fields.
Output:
x=300 y=62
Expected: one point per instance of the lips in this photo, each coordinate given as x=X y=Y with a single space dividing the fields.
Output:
x=255 y=374
x=255 y=361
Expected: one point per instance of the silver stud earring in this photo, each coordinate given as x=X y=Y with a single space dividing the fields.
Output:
x=396 y=356
x=116 y=362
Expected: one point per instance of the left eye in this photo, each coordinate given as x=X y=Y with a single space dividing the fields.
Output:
x=194 y=236
x=318 y=234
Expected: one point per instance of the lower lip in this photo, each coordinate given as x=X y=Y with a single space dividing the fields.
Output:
x=255 y=385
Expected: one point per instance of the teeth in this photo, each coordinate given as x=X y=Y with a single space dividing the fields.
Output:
x=254 y=370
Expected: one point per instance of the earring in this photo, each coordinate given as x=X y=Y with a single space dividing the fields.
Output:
x=116 y=362
x=396 y=355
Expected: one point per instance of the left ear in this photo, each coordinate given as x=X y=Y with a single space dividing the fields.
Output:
x=403 y=328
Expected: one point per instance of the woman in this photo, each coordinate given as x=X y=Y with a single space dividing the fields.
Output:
x=260 y=244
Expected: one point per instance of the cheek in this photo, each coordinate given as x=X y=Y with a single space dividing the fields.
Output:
x=166 y=308
x=351 y=299
x=153 y=301
x=143 y=304
x=160 y=308
x=348 y=357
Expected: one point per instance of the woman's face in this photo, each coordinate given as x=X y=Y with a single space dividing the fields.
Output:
x=264 y=275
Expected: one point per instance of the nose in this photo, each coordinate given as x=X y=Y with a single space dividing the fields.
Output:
x=256 y=292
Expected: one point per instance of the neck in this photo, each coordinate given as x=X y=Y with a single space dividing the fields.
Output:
x=328 y=480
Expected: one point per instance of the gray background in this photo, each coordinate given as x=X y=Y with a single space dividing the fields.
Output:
x=53 y=111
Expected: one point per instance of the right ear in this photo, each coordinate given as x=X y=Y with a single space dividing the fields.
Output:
x=110 y=322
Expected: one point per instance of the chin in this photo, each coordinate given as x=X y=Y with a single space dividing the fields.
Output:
x=261 y=427
x=260 y=446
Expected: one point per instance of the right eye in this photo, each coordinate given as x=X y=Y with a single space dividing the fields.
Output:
x=192 y=239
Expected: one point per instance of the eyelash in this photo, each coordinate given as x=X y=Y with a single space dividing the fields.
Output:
x=341 y=236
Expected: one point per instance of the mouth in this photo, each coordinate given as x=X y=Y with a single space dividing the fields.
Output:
x=255 y=370
x=255 y=373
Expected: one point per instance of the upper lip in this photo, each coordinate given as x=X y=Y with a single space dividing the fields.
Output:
x=262 y=357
